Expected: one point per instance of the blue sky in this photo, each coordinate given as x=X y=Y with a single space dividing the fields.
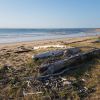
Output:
x=49 y=13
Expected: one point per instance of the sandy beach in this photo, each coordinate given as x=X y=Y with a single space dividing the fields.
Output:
x=48 y=42
x=8 y=53
x=16 y=63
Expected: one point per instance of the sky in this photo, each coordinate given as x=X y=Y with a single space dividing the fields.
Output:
x=49 y=13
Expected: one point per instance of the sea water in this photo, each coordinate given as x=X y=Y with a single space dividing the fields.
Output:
x=21 y=35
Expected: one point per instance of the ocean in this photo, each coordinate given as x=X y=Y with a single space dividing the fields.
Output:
x=21 y=35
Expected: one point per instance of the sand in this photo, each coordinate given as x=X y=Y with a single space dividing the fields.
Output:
x=19 y=65
x=47 y=42
x=19 y=54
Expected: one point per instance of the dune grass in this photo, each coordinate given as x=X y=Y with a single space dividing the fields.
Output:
x=24 y=66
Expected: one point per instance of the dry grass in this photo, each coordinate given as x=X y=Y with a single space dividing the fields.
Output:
x=25 y=66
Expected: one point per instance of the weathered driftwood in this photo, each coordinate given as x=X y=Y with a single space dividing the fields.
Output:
x=72 y=65
x=23 y=49
x=97 y=41
x=32 y=93
x=59 y=73
x=55 y=53
x=71 y=61
x=84 y=40
x=48 y=54
x=44 y=77
x=48 y=46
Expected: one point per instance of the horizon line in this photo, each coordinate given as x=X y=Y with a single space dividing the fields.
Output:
x=56 y=28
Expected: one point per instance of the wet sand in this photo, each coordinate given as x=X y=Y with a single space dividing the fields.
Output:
x=47 y=42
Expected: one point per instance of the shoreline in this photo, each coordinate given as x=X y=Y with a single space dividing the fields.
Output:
x=32 y=38
x=47 y=41
x=11 y=53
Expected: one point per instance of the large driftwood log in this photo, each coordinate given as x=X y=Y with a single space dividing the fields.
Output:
x=66 y=65
x=71 y=61
x=55 y=53
x=48 y=54
x=45 y=77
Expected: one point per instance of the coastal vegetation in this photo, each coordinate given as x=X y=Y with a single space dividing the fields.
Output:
x=19 y=74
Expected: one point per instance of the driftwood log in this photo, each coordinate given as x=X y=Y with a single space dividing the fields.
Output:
x=49 y=46
x=97 y=41
x=66 y=65
x=70 y=62
x=22 y=50
x=55 y=53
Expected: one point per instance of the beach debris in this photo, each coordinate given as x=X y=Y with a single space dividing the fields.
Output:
x=63 y=79
x=52 y=85
x=97 y=41
x=23 y=49
x=49 y=79
x=57 y=84
x=28 y=83
x=48 y=54
x=83 y=80
x=31 y=93
x=57 y=66
x=49 y=46
x=66 y=83
x=56 y=53
x=72 y=51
